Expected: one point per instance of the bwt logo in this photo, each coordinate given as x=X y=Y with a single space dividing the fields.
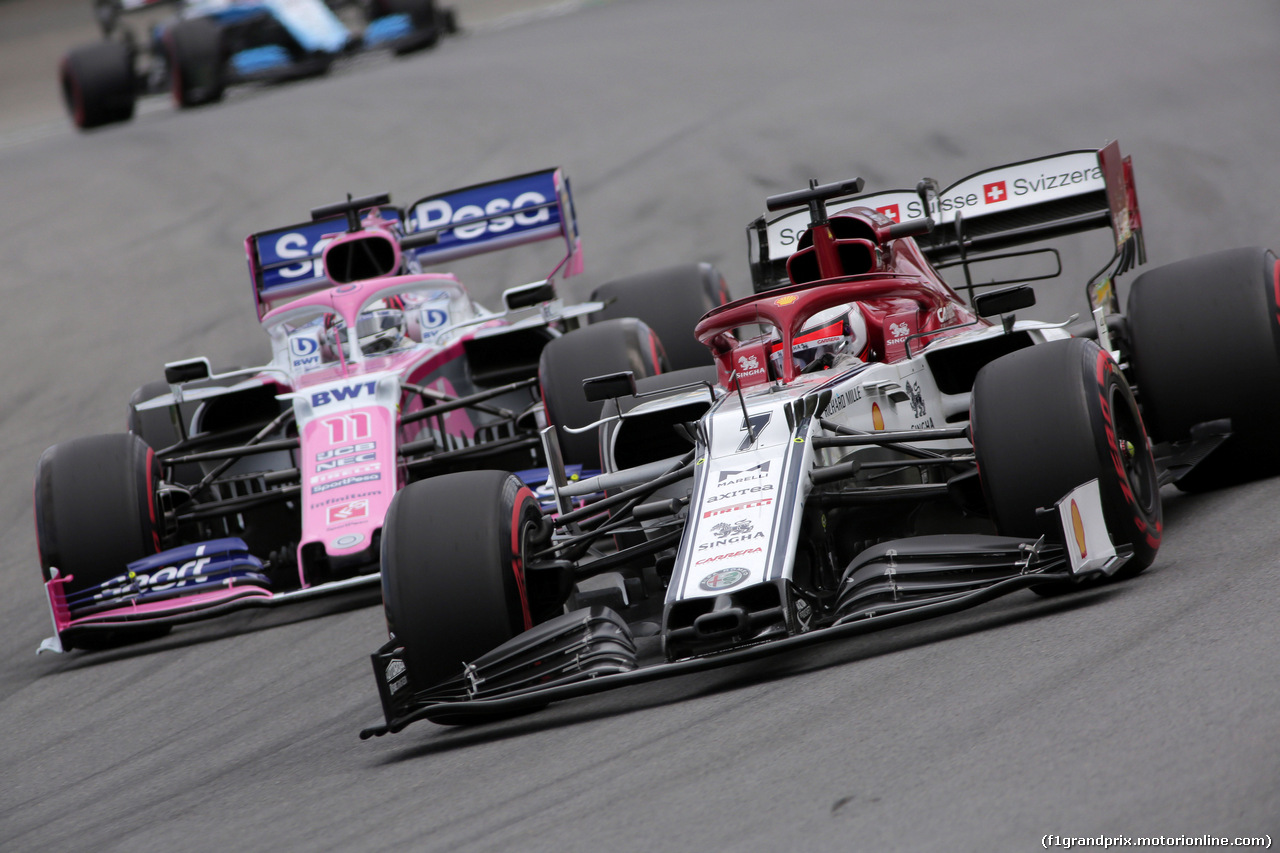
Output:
x=337 y=395
x=436 y=213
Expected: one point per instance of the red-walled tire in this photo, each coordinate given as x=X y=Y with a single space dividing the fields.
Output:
x=194 y=49
x=98 y=84
x=1050 y=417
x=453 y=551
x=96 y=513
x=611 y=346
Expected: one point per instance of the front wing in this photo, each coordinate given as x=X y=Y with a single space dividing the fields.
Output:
x=592 y=650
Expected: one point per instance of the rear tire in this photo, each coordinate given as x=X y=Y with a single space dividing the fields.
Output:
x=453 y=551
x=671 y=302
x=194 y=49
x=427 y=23
x=610 y=346
x=1206 y=345
x=1053 y=416
x=98 y=84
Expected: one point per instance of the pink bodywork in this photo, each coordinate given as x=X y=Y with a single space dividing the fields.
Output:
x=348 y=455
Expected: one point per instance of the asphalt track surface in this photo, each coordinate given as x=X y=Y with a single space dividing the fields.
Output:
x=1149 y=708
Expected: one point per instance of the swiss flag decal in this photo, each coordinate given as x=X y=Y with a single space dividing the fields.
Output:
x=891 y=211
x=993 y=193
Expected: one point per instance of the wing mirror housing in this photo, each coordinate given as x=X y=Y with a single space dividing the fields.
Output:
x=609 y=386
x=1004 y=301
x=191 y=370
x=528 y=295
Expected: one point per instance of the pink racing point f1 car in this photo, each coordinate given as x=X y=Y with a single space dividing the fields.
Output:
x=884 y=452
x=260 y=486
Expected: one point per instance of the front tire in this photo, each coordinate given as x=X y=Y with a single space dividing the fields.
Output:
x=453 y=581
x=194 y=49
x=96 y=513
x=1053 y=416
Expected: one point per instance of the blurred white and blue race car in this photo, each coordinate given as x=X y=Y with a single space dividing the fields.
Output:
x=203 y=46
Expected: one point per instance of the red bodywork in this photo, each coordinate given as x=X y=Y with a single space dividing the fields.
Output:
x=901 y=289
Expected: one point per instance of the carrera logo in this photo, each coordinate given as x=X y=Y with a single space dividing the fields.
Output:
x=994 y=193
x=727 y=509
x=350 y=511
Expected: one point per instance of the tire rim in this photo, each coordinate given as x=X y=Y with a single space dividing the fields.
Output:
x=1135 y=456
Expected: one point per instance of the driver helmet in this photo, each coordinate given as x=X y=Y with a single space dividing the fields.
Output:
x=380 y=328
x=834 y=331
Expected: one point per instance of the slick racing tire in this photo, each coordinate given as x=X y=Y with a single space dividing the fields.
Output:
x=1206 y=346
x=427 y=21
x=96 y=513
x=98 y=84
x=610 y=346
x=671 y=301
x=1050 y=417
x=194 y=50
x=453 y=582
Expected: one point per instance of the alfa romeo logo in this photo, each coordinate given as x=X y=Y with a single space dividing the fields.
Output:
x=723 y=579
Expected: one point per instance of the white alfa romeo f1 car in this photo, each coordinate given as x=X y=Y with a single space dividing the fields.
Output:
x=881 y=452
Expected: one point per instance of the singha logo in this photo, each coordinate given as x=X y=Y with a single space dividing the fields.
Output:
x=917 y=399
x=748 y=362
x=723 y=529
x=899 y=330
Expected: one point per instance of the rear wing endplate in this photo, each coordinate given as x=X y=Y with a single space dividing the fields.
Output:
x=1006 y=206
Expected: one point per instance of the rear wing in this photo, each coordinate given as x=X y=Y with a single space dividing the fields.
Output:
x=285 y=263
x=991 y=210
x=498 y=215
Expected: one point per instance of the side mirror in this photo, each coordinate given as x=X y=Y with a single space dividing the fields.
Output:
x=609 y=387
x=191 y=370
x=1004 y=301
x=528 y=295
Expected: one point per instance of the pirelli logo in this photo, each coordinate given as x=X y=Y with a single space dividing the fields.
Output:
x=727 y=509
